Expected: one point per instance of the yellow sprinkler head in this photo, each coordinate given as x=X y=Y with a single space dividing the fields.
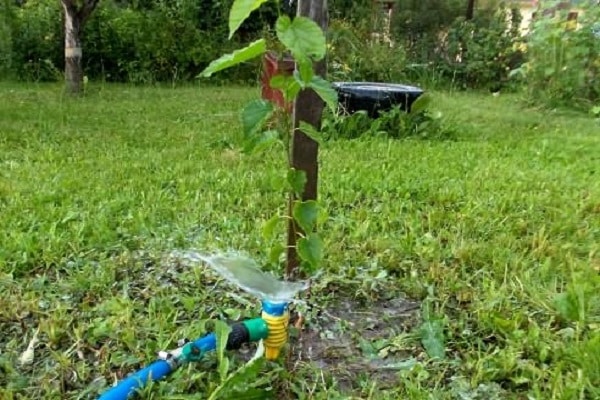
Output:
x=277 y=318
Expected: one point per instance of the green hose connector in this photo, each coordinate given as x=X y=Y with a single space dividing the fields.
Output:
x=257 y=329
x=248 y=331
x=191 y=353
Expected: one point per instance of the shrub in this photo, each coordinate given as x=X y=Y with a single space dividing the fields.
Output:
x=37 y=41
x=440 y=42
x=480 y=53
x=418 y=25
x=121 y=41
x=355 y=56
x=6 y=52
x=563 y=64
x=123 y=44
x=419 y=123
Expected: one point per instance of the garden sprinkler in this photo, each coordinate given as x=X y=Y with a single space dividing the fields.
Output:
x=271 y=327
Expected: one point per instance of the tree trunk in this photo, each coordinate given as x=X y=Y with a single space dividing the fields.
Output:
x=470 y=10
x=304 y=151
x=75 y=17
x=73 y=53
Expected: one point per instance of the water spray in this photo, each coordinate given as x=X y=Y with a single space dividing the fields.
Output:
x=271 y=327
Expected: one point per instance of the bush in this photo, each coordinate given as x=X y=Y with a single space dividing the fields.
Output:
x=419 y=123
x=418 y=25
x=122 y=42
x=37 y=41
x=355 y=56
x=441 y=43
x=481 y=53
x=563 y=64
x=6 y=52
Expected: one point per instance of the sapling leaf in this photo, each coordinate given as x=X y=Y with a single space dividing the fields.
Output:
x=306 y=213
x=311 y=132
x=297 y=180
x=280 y=81
x=305 y=70
x=239 y=56
x=222 y=331
x=325 y=91
x=302 y=36
x=275 y=253
x=269 y=226
x=310 y=249
x=260 y=141
x=298 y=79
x=255 y=114
x=289 y=86
x=240 y=11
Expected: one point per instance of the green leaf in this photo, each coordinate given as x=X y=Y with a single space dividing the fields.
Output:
x=421 y=103
x=255 y=114
x=239 y=56
x=432 y=338
x=297 y=180
x=222 y=331
x=240 y=11
x=548 y=72
x=260 y=141
x=275 y=253
x=310 y=249
x=306 y=72
x=302 y=36
x=224 y=367
x=287 y=84
x=280 y=81
x=311 y=132
x=325 y=91
x=306 y=213
x=567 y=306
x=246 y=393
x=269 y=227
x=240 y=379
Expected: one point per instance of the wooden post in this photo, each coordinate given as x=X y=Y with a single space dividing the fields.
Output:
x=304 y=151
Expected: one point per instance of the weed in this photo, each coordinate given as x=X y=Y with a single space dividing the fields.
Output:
x=421 y=122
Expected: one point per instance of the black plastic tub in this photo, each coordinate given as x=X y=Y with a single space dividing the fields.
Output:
x=374 y=97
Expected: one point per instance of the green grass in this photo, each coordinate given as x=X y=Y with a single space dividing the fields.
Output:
x=497 y=232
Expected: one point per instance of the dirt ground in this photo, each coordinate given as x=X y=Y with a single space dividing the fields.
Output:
x=350 y=341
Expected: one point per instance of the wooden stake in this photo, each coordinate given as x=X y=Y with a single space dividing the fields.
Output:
x=304 y=151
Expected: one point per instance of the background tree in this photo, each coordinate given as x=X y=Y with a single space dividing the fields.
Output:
x=470 y=10
x=76 y=13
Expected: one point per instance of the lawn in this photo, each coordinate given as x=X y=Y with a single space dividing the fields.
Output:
x=494 y=235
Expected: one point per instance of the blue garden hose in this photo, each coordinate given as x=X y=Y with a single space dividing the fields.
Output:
x=155 y=371
x=248 y=331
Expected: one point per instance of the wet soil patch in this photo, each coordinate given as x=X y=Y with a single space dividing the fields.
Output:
x=352 y=342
